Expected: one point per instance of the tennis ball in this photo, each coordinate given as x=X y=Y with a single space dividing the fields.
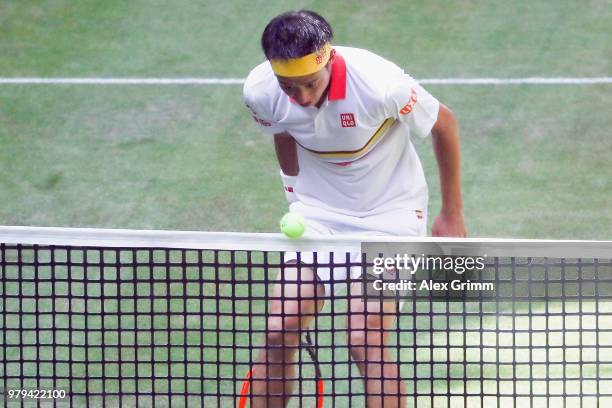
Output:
x=293 y=225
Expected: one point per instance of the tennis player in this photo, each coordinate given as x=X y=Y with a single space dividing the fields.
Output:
x=343 y=120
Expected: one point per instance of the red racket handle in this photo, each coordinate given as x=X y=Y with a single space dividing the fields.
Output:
x=320 y=391
x=244 y=391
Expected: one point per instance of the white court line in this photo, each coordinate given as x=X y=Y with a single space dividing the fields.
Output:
x=238 y=81
x=122 y=81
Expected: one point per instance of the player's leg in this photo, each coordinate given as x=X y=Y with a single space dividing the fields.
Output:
x=293 y=307
x=297 y=297
x=368 y=324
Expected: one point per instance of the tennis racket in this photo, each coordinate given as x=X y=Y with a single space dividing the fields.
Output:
x=310 y=385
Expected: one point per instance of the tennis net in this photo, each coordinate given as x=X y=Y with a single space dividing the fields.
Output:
x=150 y=318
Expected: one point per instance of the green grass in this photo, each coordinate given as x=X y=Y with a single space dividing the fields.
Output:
x=188 y=157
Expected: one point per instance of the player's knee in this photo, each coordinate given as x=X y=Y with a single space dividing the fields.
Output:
x=283 y=330
x=365 y=337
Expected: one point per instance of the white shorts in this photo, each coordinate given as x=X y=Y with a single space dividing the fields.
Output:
x=323 y=222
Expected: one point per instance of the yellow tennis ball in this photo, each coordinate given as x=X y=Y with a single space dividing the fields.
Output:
x=293 y=225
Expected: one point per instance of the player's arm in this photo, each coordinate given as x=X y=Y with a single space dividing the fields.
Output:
x=445 y=133
x=286 y=153
x=408 y=102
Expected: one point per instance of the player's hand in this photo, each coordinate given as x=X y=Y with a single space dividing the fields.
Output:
x=449 y=224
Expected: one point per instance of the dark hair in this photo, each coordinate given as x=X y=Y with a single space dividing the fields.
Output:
x=295 y=34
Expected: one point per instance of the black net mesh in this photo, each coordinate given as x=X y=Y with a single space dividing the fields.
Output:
x=97 y=326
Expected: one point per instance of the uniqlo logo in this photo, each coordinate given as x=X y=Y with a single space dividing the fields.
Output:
x=347 y=120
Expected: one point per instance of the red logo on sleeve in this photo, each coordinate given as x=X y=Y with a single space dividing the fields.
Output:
x=347 y=120
x=410 y=105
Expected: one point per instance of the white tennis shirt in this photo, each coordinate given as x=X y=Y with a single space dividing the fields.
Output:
x=355 y=151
